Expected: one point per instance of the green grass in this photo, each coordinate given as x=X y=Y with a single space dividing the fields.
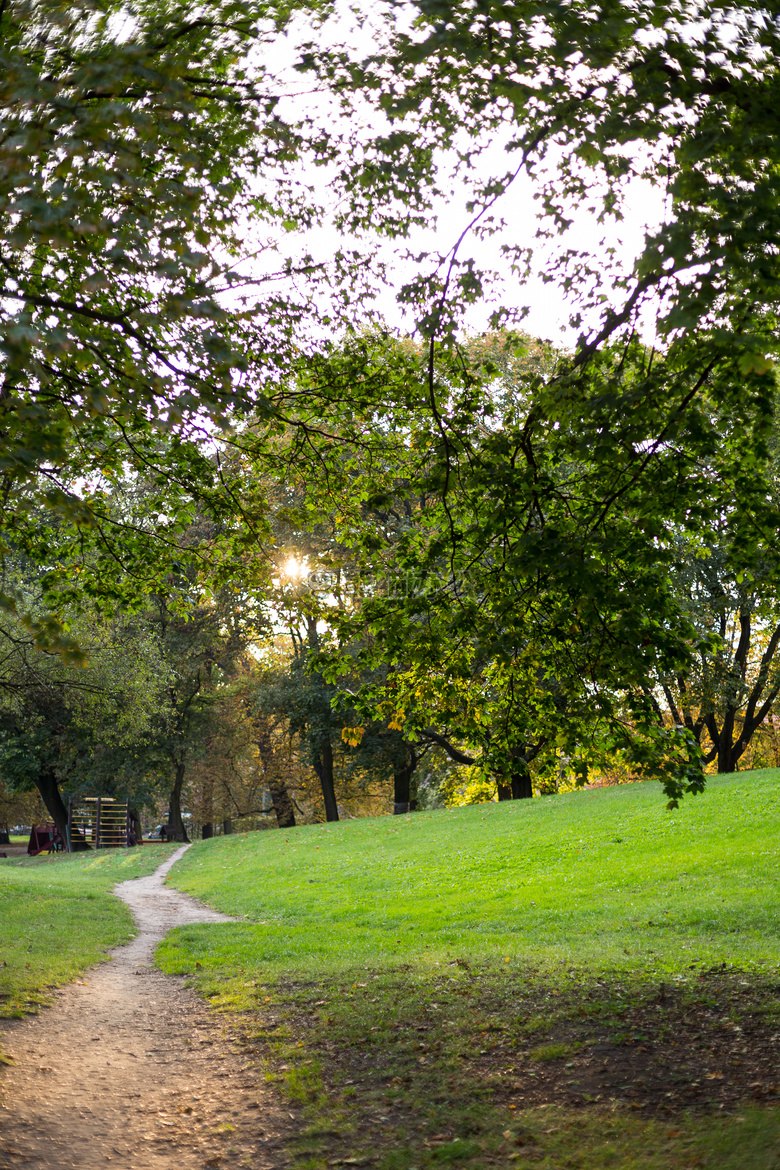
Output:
x=606 y=879
x=58 y=917
x=578 y=981
x=435 y=989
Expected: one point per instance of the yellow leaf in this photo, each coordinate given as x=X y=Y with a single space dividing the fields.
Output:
x=352 y=735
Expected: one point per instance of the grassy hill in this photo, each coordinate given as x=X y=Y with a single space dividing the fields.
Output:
x=605 y=879
x=584 y=980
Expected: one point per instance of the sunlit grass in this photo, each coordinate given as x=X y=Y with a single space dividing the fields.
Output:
x=58 y=917
x=360 y=937
x=365 y=937
x=604 y=879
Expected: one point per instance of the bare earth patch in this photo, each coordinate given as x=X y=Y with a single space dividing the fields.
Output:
x=130 y=1067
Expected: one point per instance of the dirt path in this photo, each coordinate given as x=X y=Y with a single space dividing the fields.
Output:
x=130 y=1067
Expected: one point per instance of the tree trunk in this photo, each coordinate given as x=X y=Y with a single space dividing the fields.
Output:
x=723 y=749
x=227 y=826
x=521 y=785
x=323 y=766
x=175 y=823
x=726 y=760
x=727 y=757
x=504 y=791
x=137 y=827
x=283 y=805
x=403 y=802
x=728 y=754
x=207 y=808
x=47 y=784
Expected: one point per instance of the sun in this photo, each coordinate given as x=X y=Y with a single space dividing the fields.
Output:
x=292 y=568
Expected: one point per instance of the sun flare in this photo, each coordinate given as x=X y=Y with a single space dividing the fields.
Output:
x=293 y=569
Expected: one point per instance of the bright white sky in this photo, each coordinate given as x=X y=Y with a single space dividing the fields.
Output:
x=548 y=313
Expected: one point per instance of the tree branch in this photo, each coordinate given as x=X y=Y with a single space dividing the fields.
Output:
x=453 y=752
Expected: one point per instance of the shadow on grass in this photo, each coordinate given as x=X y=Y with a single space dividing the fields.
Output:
x=487 y=1064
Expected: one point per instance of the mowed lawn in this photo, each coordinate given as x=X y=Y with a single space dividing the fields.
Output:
x=582 y=981
x=605 y=879
x=58 y=917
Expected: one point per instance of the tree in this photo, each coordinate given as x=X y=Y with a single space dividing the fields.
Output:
x=565 y=513
x=200 y=648
x=227 y=779
x=584 y=100
x=275 y=774
x=135 y=147
x=73 y=726
x=657 y=439
x=460 y=567
x=303 y=697
x=728 y=693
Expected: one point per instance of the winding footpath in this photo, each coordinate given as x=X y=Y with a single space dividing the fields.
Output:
x=129 y=1067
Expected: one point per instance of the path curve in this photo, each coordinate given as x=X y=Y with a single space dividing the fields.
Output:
x=129 y=1067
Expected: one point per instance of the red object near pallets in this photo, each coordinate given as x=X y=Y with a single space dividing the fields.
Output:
x=45 y=839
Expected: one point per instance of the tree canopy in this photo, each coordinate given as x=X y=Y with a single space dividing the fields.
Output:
x=172 y=342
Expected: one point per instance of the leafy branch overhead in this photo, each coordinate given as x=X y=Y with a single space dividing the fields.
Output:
x=177 y=342
x=130 y=146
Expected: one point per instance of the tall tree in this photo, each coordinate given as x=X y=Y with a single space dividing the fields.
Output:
x=500 y=600
x=73 y=726
x=729 y=690
x=572 y=507
x=199 y=647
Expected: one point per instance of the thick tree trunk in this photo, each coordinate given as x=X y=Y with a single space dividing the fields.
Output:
x=518 y=788
x=47 y=784
x=724 y=751
x=403 y=801
x=724 y=759
x=323 y=766
x=207 y=830
x=227 y=826
x=283 y=805
x=521 y=785
x=177 y=832
x=726 y=755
